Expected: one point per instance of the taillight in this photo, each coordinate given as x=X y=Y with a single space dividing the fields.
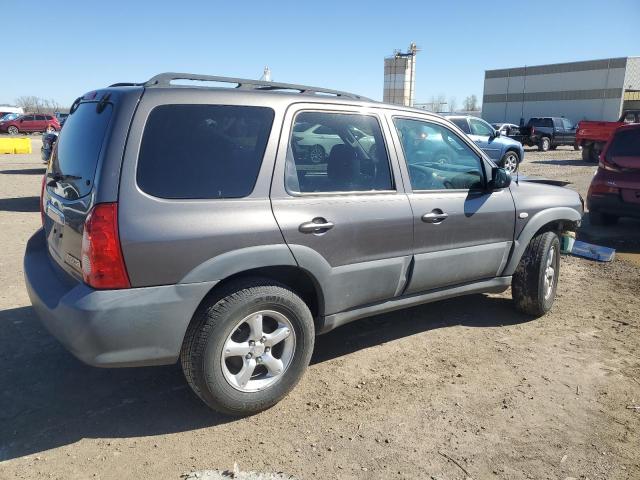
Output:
x=102 y=261
x=44 y=183
x=597 y=188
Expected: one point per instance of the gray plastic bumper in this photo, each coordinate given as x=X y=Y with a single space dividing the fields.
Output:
x=109 y=328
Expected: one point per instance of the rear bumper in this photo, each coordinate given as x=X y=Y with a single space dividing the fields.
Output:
x=613 y=205
x=109 y=328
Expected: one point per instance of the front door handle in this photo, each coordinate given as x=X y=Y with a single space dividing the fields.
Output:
x=317 y=225
x=436 y=216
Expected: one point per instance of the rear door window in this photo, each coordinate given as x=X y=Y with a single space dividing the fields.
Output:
x=541 y=122
x=343 y=153
x=203 y=151
x=480 y=128
x=78 y=149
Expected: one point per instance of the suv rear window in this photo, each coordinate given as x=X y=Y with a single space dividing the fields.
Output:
x=541 y=122
x=76 y=156
x=203 y=151
x=626 y=143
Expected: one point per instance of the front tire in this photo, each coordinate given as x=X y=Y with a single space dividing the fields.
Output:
x=248 y=346
x=535 y=281
x=12 y=130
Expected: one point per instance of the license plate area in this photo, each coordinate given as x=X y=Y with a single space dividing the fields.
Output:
x=631 y=196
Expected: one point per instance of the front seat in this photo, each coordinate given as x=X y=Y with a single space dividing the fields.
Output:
x=343 y=169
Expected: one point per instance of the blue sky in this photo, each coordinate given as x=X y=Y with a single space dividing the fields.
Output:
x=63 y=49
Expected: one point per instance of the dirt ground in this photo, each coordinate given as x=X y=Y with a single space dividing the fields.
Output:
x=464 y=388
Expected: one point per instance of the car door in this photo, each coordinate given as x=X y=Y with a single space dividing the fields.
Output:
x=483 y=135
x=40 y=125
x=27 y=123
x=569 y=132
x=346 y=220
x=462 y=231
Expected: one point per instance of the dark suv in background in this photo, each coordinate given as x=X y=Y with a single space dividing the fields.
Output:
x=548 y=133
x=188 y=223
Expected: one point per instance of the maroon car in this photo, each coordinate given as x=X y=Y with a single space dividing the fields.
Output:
x=615 y=189
x=31 y=122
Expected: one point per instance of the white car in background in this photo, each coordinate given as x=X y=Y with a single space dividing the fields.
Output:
x=318 y=140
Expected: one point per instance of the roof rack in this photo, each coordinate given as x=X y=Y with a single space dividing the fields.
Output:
x=165 y=79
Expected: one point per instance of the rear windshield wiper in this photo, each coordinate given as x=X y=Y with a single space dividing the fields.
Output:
x=59 y=177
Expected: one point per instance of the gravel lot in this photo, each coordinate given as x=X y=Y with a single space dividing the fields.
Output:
x=455 y=389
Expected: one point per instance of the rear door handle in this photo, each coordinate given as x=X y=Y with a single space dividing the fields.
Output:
x=317 y=225
x=435 y=217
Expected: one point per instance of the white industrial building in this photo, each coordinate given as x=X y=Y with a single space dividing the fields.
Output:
x=400 y=77
x=589 y=90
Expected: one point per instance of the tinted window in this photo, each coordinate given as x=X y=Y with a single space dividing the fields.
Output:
x=41 y=117
x=568 y=125
x=352 y=158
x=437 y=158
x=541 y=122
x=626 y=144
x=479 y=127
x=629 y=118
x=462 y=124
x=27 y=118
x=78 y=150
x=202 y=151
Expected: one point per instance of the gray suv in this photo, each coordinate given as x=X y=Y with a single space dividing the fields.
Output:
x=184 y=222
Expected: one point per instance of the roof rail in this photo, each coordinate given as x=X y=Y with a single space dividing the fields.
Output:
x=165 y=79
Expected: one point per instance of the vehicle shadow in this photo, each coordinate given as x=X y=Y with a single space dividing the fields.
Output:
x=476 y=311
x=49 y=399
x=571 y=163
x=624 y=236
x=20 y=204
x=24 y=171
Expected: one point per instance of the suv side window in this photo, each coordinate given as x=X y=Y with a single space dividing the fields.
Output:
x=437 y=158
x=567 y=124
x=350 y=157
x=478 y=127
x=41 y=117
x=203 y=151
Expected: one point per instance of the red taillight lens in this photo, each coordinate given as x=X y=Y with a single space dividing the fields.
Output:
x=102 y=261
x=44 y=183
x=603 y=189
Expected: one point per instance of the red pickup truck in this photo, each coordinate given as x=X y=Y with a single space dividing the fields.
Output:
x=592 y=136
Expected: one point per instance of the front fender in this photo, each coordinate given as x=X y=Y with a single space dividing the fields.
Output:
x=536 y=222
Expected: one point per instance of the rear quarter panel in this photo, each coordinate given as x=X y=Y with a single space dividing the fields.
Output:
x=171 y=241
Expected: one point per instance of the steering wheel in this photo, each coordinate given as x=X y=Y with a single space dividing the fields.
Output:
x=426 y=179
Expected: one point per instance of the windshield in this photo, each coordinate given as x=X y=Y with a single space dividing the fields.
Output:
x=74 y=161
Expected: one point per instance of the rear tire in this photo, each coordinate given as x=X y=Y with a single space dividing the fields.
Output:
x=599 y=218
x=510 y=161
x=534 y=283
x=226 y=322
x=586 y=153
x=545 y=144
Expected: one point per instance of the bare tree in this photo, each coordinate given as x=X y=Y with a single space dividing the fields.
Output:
x=453 y=104
x=470 y=103
x=33 y=104
x=437 y=102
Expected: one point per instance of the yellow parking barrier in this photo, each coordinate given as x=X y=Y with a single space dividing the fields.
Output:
x=15 y=145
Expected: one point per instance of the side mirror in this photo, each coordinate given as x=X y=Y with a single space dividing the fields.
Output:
x=499 y=179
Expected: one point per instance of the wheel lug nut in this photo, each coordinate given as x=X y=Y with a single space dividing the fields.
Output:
x=267 y=349
x=251 y=343
x=248 y=356
x=259 y=359
x=263 y=339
